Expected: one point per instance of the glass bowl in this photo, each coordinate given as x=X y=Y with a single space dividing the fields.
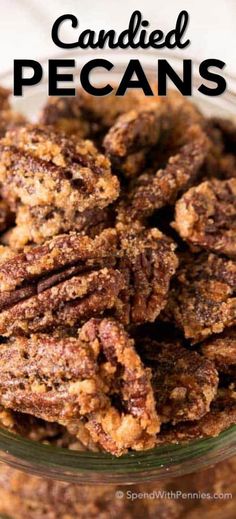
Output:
x=161 y=462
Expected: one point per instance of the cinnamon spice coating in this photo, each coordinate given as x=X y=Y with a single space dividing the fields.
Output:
x=183 y=381
x=134 y=134
x=39 y=167
x=61 y=251
x=206 y=216
x=63 y=380
x=221 y=416
x=152 y=192
x=35 y=224
x=202 y=300
x=74 y=277
x=222 y=351
x=148 y=261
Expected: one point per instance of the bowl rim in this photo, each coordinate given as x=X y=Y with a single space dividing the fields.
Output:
x=89 y=467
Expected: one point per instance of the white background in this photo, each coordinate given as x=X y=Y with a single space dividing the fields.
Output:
x=25 y=25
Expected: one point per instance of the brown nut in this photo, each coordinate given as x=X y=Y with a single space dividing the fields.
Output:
x=222 y=351
x=64 y=281
x=37 y=224
x=183 y=381
x=221 y=416
x=202 y=300
x=73 y=277
x=148 y=262
x=134 y=134
x=150 y=192
x=65 y=379
x=41 y=168
x=206 y=216
x=85 y=115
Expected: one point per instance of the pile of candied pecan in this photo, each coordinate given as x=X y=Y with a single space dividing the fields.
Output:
x=117 y=272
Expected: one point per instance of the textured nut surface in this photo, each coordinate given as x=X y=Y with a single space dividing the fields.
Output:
x=206 y=216
x=148 y=261
x=74 y=277
x=40 y=167
x=220 y=417
x=222 y=351
x=151 y=192
x=85 y=115
x=129 y=141
x=203 y=300
x=184 y=383
x=62 y=380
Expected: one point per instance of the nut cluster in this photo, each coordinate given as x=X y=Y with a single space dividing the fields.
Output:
x=117 y=272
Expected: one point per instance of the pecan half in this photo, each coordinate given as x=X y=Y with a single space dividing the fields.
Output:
x=148 y=261
x=150 y=192
x=66 y=379
x=183 y=381
x=202 y=300
x=221 y=416
x=222 y=351
x=37 y=224
x=73 y=277
x=206 y=216
x=39 y=168
x=64 y=281
x=134 y=134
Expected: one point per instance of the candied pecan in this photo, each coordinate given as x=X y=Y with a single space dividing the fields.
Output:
x=184 y=382
x=63 y=380
x=221 y=416
x=36 y=224
x=53 y=379
x=222 y=351
x=63 y=282
x=65 y=115
x=202 y=300
x=58 y=282
x=52 y=433
x=85 y=115
x=69 y=302
x=61 y=251
x=206 y=216
x=40 y=167
x=129 y=141
x=137 y=426
x=184 y=116
x=150 y=192
x=148 y=261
